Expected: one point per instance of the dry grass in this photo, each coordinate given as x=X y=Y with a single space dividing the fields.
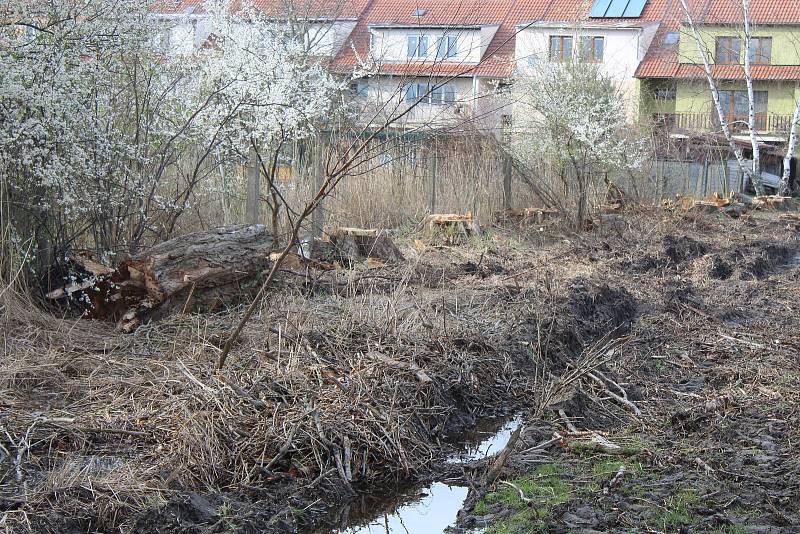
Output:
x=98 y=426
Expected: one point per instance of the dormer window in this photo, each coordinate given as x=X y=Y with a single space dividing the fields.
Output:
x=447 y=47
x=420 y=12
x=672 y=38
x=417 y=46
x=592 y=49
x=560 y=48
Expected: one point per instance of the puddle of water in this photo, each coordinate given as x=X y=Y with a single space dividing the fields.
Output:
x=486 y=442
x=433 y=513
x=431 y=509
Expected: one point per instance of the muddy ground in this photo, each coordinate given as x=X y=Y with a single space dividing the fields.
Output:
x=106 y=432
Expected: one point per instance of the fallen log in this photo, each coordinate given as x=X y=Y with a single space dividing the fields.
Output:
x=198 y=271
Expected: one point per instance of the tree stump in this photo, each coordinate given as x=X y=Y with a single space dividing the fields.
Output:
x=348 y=246
x=453 y=226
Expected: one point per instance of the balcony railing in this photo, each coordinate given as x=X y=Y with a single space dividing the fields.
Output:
x=766 y=123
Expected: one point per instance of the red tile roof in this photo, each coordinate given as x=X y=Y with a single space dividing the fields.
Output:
x=661 y=61
x=304 y=9
x=509 y=15
x=498 y=59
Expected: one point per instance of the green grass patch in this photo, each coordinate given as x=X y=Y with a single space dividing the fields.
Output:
x=545 y=487
x=677 y=510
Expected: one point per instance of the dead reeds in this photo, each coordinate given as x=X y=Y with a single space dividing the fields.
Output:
x=356 y=383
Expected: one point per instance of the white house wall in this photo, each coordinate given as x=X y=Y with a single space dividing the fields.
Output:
x=185 y=34
x=391 y=44
x=326 y=38
x=391 y=89
x=623 y=51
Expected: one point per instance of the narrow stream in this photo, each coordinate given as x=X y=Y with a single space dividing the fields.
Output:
x=428 y=509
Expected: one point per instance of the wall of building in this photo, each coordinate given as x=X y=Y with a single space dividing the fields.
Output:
x=695 y=97
x=624 y=49
x=657 y=96
x=382 y=89
x=183 y=35
x=327 y=38
x=785 y=42
x=391 y=44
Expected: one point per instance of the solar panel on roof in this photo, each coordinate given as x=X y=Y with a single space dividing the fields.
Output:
x=599 y=8
x=635 y=8
x=617 y=8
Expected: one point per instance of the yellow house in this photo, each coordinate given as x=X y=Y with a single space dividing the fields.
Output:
x=675 y=89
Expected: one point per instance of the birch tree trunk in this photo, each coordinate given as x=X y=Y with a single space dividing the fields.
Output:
x=717 y=106
x=790 y=149
x=751 y=102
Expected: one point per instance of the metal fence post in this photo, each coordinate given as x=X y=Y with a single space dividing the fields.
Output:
x=253 y=188
x=317 y=219
x=508 y=170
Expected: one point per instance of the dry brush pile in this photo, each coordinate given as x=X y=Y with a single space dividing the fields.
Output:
x=355 y=381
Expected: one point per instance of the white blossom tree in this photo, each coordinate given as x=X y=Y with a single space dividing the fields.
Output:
x=271 y=90
x=571 y=117
x=106 y=135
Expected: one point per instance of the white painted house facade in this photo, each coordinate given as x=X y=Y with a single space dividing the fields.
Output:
x=430 y=66
x=617 y=46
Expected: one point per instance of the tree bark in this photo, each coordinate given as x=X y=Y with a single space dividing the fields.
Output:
x=758 y=182
x=199 y=271
x=790 y=149
x=726 y=130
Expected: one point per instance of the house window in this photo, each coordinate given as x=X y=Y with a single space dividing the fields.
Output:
x=418 y=46
x=736 y=106
x=359 y=89
x=592 y=49
x=425 y=94
x=728 y=50
x=560 y=48
x=447 y=47
x=504 y=88
x=666 y=93
x=760 y=50
x=672 y=38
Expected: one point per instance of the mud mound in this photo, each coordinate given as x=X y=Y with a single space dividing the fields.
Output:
x=713 y=266
x=759 y=261
x=599 y=309
x=682 y=248
x=673 y=253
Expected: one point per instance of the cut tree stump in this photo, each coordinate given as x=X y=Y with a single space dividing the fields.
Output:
x=198 y=271
x=774 y=202
x=348 y=246
x=452 y=225
x=523 y=215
